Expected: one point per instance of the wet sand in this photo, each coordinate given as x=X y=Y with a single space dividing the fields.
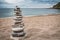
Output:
x=36 y=27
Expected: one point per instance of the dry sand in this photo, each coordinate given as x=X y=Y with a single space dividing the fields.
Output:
x=36 y=27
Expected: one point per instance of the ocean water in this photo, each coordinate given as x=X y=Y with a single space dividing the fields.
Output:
x=9 y=12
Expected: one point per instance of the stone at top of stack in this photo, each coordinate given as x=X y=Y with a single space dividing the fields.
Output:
x=17 y=11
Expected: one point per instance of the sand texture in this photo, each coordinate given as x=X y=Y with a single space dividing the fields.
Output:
x=36 y=27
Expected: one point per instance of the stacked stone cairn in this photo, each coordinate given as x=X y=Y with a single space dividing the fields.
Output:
x=18 y=27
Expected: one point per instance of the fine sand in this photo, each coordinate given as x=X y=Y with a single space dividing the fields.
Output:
x=36 y=27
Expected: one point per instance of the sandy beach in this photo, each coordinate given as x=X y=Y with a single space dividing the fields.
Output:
x=36 y=27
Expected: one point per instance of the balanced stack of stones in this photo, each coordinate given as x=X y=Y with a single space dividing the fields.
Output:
x=18 y=27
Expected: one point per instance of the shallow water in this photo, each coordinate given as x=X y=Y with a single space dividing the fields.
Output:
x=9 y=12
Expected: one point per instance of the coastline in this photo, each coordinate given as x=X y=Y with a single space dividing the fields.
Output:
x=35 y=15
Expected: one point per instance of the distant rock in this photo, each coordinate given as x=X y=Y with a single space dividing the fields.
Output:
x=57 y=6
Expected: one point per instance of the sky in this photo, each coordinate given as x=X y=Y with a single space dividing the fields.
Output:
x=28 y=3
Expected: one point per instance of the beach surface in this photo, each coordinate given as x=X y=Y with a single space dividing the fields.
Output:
x=36 y=27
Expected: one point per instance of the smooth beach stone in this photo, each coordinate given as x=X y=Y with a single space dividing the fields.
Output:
x=19 y=26
x=18 y=35
x=18 y=14
x=17 y=22
x=17 y=9
x=17 y=18
x=17 y=29
x=20 y=19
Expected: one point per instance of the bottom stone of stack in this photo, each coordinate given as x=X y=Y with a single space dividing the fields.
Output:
x=22 y=34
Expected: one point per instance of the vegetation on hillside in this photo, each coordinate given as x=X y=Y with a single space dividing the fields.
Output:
x=57 y=5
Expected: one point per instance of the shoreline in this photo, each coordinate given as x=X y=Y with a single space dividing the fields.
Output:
x=33 y=15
